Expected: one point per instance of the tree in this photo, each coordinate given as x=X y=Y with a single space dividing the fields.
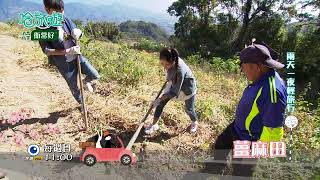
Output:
x=307 y=48
x=196 y=25
x=314 y=3
x=271 y=29
x=251 y=10
x=222 y=27
x=307 y=17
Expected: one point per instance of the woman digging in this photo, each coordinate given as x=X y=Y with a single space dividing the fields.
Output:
x=181 y=85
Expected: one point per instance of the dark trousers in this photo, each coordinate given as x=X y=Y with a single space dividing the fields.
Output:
x=72 y=75
x=69 y=71
x=189 y=108
x=222 y=148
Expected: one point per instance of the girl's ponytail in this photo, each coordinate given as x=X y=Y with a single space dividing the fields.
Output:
x=175 y=57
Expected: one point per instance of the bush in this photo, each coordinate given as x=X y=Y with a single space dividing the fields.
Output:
x=149 y=46
x=221 y=65
x=307 y=133
x=216 y=64
x=194 y=59
x=115 y=63
x=125 y=70
x=103 y=30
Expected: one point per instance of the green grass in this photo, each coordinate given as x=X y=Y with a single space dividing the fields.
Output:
x=132 y=68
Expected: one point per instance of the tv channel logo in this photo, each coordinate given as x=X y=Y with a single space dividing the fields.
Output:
x=33 y=151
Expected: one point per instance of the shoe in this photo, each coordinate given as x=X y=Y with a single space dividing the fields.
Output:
x=194 y=127
x=89 y=87
x=151 y=129
x=2 y=175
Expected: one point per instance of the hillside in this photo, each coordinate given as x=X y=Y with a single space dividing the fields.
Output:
x=130 y=80
x=140 y=29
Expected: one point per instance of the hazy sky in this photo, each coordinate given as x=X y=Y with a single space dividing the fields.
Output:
x=152 y=5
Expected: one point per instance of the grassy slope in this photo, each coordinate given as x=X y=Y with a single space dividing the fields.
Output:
x=138 y=77
x=130 y=80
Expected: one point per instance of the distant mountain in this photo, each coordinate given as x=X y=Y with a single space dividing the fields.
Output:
x=10 y=9
x=116 y=12
x=138 y=29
